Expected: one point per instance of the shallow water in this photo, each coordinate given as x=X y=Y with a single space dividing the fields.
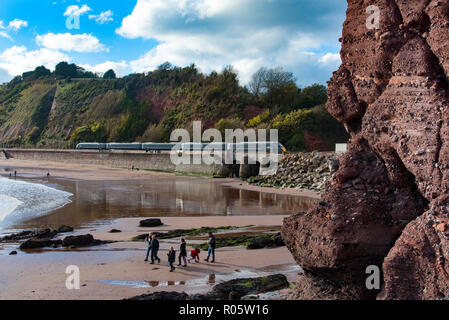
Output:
x=97 y=202
x=22 y=200
x=196 y=285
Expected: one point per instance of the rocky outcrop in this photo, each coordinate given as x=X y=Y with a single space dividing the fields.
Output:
x=230 y=290
x=39 y=243
x=311 y=171
x=387 y=205
x=85 y=240
x=28 y=234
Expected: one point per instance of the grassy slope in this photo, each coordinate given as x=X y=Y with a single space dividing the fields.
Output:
x=45 y=113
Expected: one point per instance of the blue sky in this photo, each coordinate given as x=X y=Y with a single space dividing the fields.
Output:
x=138 y=35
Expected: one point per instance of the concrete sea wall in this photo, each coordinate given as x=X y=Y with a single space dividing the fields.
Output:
x=119 y=159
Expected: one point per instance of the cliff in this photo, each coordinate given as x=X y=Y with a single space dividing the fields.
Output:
x=388 y=203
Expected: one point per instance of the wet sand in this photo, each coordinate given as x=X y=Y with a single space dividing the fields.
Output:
x=117 y=270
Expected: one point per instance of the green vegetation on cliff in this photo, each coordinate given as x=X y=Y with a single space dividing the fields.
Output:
x=61 y=108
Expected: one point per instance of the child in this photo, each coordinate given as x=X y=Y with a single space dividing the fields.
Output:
x=171 y=258
x=183 y=252
x=195 y=255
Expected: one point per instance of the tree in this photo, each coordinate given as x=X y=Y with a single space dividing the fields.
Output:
x=277 y=78
x=65 y=70
x=257 y=84
x=110 y=74
x=165 y=66
x=265 y=80
x=37 y=73
x=312 y=96
x=41 y=72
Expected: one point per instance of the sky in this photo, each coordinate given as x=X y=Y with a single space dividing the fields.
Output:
x=135 y=36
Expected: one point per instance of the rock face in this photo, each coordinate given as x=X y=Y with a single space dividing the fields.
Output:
x=388 y=203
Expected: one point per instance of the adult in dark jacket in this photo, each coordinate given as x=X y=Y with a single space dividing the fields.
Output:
x=149 y=239
x=171 y=258
x=154 y=250
x=212 y=244
x=183 y=252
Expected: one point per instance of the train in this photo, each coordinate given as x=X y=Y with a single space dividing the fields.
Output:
x=269 y=147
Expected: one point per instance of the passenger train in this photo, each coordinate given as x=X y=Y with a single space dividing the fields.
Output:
x=269 y=147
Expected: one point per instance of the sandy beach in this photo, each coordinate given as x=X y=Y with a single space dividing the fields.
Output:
x=117 y=270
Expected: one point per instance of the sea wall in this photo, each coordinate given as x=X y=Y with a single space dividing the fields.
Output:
x=119 y=159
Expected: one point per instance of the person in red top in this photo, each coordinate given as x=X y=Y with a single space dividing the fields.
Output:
x=195 y=255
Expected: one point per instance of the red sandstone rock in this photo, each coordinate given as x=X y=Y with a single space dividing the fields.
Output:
x=391 y=92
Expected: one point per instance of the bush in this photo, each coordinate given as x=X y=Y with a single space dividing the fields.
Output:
x=90 y=133
x=257 y=120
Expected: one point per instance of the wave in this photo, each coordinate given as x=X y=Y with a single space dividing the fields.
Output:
x=21 y=200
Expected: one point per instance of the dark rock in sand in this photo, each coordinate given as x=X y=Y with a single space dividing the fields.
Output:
x=64 y=229
x=140 y=237
x=81 y=241
x=115 y=231
x=13 y=253
x=28 y=234
x=260 y=243
x=229 y=290
x=151 y=223
x=238 y=288
x=268 y=241
x=39 y=243
x=161 y=296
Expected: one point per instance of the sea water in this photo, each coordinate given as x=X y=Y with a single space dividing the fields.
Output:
x=20 y=200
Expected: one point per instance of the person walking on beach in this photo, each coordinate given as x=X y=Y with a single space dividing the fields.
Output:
x=183 y=252
x=195 y=255
x=212 y=244
x=154 y=250
x=149 y=239
x=171 y=258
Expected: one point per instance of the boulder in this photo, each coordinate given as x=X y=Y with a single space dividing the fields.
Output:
x=151 y=223
x=81 y=241
x=39 y=243
x=115 y=231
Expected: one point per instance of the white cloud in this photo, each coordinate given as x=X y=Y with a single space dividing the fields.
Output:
x=331 y=59
x=17 y=59
x=70 y=42
x=16 y=24
x=119 y=67
x=102 y=18
x=248 y=34
x=75 y=10
x=5 y=34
